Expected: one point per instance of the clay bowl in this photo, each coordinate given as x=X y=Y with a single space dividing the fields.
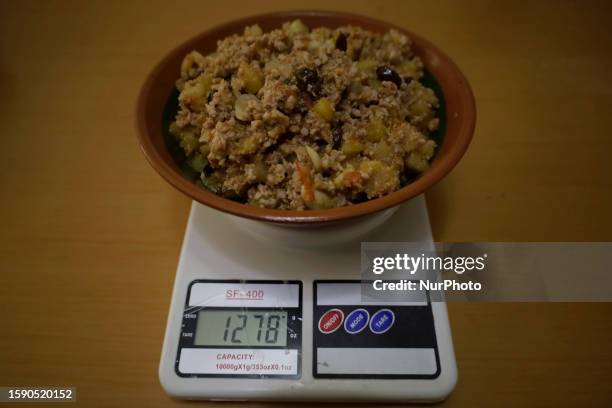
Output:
x=458 y=121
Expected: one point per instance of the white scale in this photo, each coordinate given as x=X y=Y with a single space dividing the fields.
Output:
x=250 y=320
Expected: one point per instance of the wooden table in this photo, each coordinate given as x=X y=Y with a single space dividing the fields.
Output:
x=90 y=235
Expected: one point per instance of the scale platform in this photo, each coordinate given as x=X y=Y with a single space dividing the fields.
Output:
x=254 y=320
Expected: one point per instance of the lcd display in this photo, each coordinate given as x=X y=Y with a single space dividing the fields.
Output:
x=241 y=328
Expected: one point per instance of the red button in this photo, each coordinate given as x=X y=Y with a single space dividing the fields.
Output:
x=330 y=321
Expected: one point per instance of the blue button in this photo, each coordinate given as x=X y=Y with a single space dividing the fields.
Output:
x=356 y=321
x=382 y=321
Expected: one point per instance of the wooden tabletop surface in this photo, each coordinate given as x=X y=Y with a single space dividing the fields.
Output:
x=90 y=235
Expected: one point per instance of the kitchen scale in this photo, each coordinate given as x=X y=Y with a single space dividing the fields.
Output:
x=257 y=320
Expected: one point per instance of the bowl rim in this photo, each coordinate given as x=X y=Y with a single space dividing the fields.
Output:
x=439 y=169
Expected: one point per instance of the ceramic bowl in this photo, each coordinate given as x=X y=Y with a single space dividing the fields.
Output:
x=458 y=117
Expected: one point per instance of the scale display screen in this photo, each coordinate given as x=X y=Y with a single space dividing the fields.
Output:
x=241 y=328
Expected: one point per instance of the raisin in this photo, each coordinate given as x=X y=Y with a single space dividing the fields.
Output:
x=359 y=198
x=336 y=131
x=344 y=94
x=308 y=81
x=207 y=171
x=403 y=180
x=384 y=73
x=321 y=142
x=341 y=42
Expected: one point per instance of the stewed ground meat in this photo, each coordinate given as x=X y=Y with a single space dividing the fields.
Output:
x=305 y=119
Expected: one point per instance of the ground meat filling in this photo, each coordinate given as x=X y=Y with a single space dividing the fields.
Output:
x=302 y=119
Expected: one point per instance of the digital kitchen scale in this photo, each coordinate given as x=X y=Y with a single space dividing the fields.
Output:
x=254 y=320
